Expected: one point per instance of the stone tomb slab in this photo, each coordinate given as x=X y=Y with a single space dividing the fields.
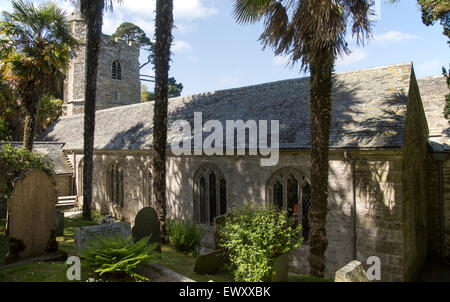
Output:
x=85 y=234
x=352 y=272
x=32 y=224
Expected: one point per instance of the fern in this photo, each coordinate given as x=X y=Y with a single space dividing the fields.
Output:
x=184 y=235
x=117 y=255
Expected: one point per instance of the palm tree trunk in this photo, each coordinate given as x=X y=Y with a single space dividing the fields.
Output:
x=30 y=124
x=164 y=24
x=93 y=14
x=320 y=90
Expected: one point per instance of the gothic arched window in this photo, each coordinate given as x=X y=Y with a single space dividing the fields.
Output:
x=291 y=191
x=115 y=184
x=210 y=195
x=116 y=70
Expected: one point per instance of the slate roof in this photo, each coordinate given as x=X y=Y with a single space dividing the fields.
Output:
x=433 y=90
x=369 y=111
x=54 y=151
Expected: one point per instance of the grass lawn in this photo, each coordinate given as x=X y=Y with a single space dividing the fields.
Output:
x=179 y=262
x=183 y=264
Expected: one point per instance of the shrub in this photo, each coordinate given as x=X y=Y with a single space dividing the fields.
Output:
x=14 y=161
x=118 y=256
x=5 y=134
x=184 y=235
x=253 y=236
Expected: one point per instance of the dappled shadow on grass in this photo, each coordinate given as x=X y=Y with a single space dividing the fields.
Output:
x=183 y=264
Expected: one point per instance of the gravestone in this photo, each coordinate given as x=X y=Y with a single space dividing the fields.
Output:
x=32 y=230
x=59 y=220
x=352 y=272
x=209 y=263
x=145 y=224
x=280 y=269
x=84 y=235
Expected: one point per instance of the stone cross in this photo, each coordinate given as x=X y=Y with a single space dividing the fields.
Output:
x=32 y=229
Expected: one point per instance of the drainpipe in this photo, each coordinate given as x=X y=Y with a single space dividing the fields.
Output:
x=350 y=159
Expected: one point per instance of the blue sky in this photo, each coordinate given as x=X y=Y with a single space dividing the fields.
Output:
x=212 y=52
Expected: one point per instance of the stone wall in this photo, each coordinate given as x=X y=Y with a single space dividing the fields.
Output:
x=63 y=185
x=379 y=213
x=378 y=192
x=415 y=154
x=433 y=210
x=446 y=181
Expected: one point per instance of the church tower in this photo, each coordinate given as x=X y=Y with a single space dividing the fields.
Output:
x=118 y=82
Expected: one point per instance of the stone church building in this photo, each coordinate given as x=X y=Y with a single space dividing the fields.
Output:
x=389 y=183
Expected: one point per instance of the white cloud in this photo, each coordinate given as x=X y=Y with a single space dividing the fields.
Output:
x=393 y=36
x=183 y=9
x=192 y=9
x=142 y=13
x=354 y=57
x=181 y=46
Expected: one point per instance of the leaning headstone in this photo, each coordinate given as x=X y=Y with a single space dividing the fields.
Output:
x=280 y=269
x=84 y=235
x=59 y=220
x=145 y=224
x=209 y=263
x=352 y=272
x=32 y=230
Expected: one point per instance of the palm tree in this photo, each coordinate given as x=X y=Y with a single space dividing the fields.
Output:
x=163 y=37
x=312 y=32
x=92 y=12
x=35 y=48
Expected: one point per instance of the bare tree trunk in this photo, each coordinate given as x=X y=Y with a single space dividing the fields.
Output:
x=93 y=14
x=30 y=110
x=320 y=90
x=164 y=24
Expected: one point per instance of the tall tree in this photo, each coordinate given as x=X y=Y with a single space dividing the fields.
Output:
x=35 y=47
x=163 y=41
x=174 y=90
x=312 y=32
x=92 y=12
x=131 y=32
